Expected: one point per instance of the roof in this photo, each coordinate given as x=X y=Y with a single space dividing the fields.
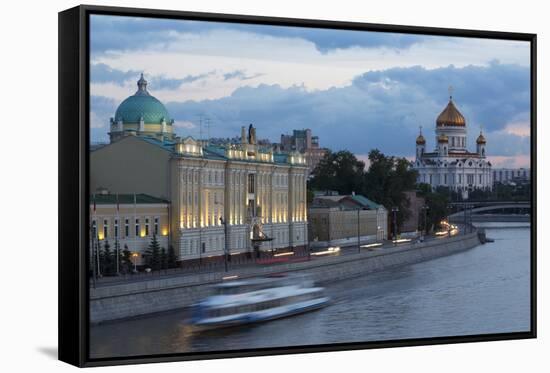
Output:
x=340 y=201
x=166 y=145
x=125 y=199
x=450 y=116
x=142 y=105
x=365 y=201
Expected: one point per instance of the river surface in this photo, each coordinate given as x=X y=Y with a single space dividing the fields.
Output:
x=482 y=290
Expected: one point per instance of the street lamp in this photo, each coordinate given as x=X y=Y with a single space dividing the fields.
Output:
x=135 y=256
x=394 y=211
x=425 y=225
x=222 y=221
x=359 y=230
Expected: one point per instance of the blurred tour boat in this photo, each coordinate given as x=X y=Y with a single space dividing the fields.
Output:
x=247 y=301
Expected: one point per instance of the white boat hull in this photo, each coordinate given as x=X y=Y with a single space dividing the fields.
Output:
x=262 y=316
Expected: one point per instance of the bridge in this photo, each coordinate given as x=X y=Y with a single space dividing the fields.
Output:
x=493 y=211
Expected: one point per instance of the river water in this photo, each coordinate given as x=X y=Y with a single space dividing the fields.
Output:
x=482 y=290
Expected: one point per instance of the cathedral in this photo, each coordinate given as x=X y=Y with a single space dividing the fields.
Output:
x=228 y=199
x=450 y=164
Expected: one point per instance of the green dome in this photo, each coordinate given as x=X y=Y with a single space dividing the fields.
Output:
x=142 y=104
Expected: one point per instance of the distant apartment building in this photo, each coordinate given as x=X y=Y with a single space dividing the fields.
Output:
x=507 y=175
x=341 y=219
x=303 y=142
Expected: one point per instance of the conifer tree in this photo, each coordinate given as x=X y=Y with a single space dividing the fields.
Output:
x=107 y=259
x=152 y=254
x=163 y=258
x=172 y=260
x=127 y=263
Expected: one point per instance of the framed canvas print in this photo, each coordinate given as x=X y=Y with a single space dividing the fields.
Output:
x=238 y=186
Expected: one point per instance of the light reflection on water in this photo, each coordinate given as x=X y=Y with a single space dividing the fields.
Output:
x=482 y=290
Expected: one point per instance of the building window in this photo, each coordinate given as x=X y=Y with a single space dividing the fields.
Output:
x=105 y=228
x=460 y=178
x=147 y=226
x=480 y=179
x=137 y=227
x=470 y=178
x=156 y=226
x=445 y=179
x=251 y=183
x=126 y=227
x=116 y=228
x=94 y=229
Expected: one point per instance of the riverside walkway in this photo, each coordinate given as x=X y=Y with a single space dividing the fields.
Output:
x=248 y=263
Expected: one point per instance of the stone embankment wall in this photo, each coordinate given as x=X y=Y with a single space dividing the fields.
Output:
x=126 y=300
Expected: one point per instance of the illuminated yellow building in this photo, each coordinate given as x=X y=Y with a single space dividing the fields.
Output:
x=129 y=220
x=221 y=196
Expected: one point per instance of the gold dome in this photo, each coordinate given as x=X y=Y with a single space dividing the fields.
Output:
x=420 y=140
x=481 y=139
x=450 y=116
x=443 y=138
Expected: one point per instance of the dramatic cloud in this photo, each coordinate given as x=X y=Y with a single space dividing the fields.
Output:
x=102 y=73
x=381 y=109
x=241 y=75
x=102 y=109
x=355 y=90
x=131 y=33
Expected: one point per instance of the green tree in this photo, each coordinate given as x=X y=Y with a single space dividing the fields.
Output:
x=172 y=259
x=107 y=257
x=163 y=258
x=340 y=171
x=126 y=261
x=387 y=180
x=152 y=254
x=438 y=204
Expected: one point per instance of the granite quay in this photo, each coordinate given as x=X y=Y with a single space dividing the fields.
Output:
x=131 y=299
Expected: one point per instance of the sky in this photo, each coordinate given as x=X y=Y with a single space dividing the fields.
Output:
x=356 y=90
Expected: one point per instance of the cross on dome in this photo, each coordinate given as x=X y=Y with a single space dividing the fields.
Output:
x=142 y=86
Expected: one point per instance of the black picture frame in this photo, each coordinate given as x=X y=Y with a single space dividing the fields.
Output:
x=74 y=187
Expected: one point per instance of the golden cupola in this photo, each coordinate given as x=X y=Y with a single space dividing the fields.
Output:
x=450 y=116
x=420 y=140
x=481 y=139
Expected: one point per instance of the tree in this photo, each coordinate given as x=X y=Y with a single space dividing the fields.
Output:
x=107 y=260
x=126 y=261
x=152 y=254
x=172 y=260
x=163 y=258
x=437 y=202
x=387 y=180
x=340 y=171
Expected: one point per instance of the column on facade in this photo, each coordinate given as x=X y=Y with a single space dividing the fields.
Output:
x=276 y=207
x=230 y=185
x=193 y=217
x=181 y=193
x=239 y=193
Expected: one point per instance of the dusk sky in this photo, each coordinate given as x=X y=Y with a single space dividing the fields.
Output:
x=355 y=90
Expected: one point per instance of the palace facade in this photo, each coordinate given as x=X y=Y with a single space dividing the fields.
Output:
x=450 y=164
x=223 y=199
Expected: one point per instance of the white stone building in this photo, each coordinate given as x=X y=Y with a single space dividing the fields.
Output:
x=450 y=164
x=221 y=197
